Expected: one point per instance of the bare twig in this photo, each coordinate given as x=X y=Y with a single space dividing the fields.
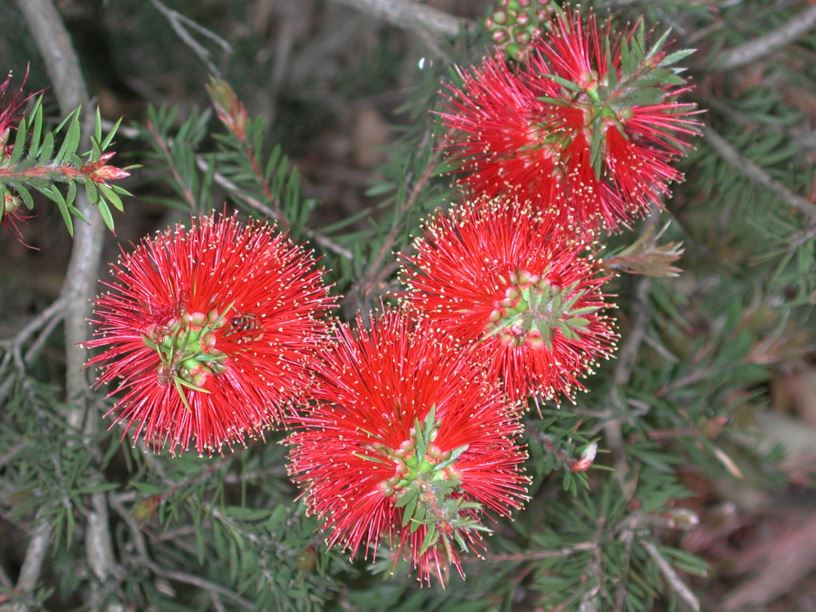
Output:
x=5 y=581
x=672 y=577
x=62 y=65
x=182 y=25
x=751 y=51
x=537 y=555
x=35 y=553
x=753 y=172
x=590 y=599
x=410 y=15
x=44 y=323
x=620 y=378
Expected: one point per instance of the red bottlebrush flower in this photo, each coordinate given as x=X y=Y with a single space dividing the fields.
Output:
x=10 y=215
x=11 y=101
x=504 y=277
x=407 y=442
x=209 y=332
x=588 y=129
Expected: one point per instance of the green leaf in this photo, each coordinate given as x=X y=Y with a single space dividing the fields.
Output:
x=98 y=126
x=25 y=195
x=408 y=512
x=47 y=149
x=36 y=126
x=403 y=499
x=565 y=83
x=71 y=142
x=112 y=197
x=673 y=58
x=70 y=196
x=109 y=138
x=56 y=196
x=19 y=141
x=430 y=538
x=105 y=212
x=658 y=45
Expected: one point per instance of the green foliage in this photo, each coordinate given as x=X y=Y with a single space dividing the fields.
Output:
x=39 y=161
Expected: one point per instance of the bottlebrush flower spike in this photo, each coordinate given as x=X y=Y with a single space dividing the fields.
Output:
x=589 y=126
x=209 y=332
x=407 y=443
x=11 y=102
x=509 y=279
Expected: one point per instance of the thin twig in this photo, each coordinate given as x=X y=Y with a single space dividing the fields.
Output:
x=180 y=25
x=672 y=577
x=751 y=51
x=5 y=581
x=590 y=600
x=537 y=555
x=35 y=554
x=410 y=15
x=45 y=322
x=753 y=172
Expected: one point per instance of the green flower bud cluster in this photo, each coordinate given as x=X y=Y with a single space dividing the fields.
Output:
x=532 y=309
x=186 y=346
x=516 y=23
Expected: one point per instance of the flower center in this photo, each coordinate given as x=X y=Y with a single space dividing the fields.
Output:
x=427 y=485
x=532 y=309
x=186 y=346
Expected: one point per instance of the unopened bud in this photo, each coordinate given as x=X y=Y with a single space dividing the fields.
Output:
x=586 y=460
x=683 y=518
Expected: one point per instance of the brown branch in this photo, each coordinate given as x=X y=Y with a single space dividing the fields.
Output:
x=180 y=24
x=751 y=51
x=63 y=68
x=672 y=577
x=411 y=15
x=753 y=172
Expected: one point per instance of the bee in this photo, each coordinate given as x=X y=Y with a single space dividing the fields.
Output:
x=244 y=323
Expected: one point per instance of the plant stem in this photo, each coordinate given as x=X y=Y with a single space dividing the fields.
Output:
x=62 y=64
